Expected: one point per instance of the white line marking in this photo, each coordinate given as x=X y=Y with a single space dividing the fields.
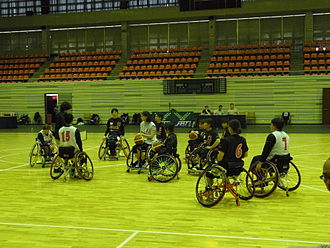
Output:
x=11 y=168
x=166 y=233
x=309 y=187
x=127 y=240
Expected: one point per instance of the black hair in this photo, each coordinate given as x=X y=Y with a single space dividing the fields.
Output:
x=220 y=106
x=278 y=123
x=68 y=118
x=169 y=126
x=113 y=110
x=46 y=127
x=148 y=115
x=208 y=121
x=160 y=115
x=65 y=106
x=235 y=125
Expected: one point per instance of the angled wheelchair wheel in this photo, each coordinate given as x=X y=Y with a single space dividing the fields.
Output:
x=187 y=153
x=243 y=185
x=57 y=167
x=163 y=168
x=290 y=179
x=211 y=186
x=103 y=150
x=265 y=179
x=84 y=166
x=194 y=159
x=125 y=147
x=36 y=156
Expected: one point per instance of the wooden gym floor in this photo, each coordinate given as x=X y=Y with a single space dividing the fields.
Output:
x=119 y=209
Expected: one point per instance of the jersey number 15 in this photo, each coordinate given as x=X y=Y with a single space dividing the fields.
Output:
x=65 y=136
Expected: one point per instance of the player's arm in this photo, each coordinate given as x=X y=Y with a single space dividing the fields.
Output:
x=222 y=149
x=78 y=140
x=270 y=142
x=151 y=135
x=41 y=139
x=108 y=129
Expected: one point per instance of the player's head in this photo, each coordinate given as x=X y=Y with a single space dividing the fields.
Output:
x=146 y=116
x=66 y=107
x=224 y=122
x=232 y=106
x=326 y=174
x=169 y=127
x=68 y=118
x=206 y=107
x=220 y=107
x=114 y=112
x=159 y=117
x=46 y=128
x=207 y=123
x=277 y=124
x=234 y=126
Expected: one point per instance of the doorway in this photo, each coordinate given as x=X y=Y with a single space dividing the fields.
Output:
x=51 y=101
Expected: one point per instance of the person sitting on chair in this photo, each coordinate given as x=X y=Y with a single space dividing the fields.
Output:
x=46 y=140
x=276 y=148
x=70 y=135
x=232 y=109
x=206 y=111
x=169 y=145
x=326 y=174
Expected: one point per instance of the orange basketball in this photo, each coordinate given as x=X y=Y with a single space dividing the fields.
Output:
x=138 y=139
x=156 y=146
x=193 y=135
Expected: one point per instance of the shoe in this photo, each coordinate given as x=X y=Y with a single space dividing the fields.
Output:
x=58 y=170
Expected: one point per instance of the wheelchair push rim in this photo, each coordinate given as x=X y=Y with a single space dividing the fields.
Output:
x=84 y=166
x=35 y=156
x=102 y=150
x=125 y=147
x=163 y=168
x=57 y=167
x=211 y=190
x=290 y=180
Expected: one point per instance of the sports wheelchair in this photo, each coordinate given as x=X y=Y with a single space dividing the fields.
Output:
x=215 y=181
x=116 y=143
x=40 y=155
x=138 y=164
x=281 y=172
x=69 y=163
x=196 y=164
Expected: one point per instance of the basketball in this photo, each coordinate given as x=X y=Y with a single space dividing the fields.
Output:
x=138 y=139
x=193 y=135
x=156 y=146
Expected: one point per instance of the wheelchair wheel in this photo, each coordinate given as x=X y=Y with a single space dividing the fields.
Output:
x=57 y=167
x=103 y=150
x=163 y=168
x=211 y=156
x=194 y=159
x=84 y=166
x=291 y=179
x=125 y=147
x=187 y=153
x=265 y=180
x=36 y=156
x=243 y=185
x=211 y=186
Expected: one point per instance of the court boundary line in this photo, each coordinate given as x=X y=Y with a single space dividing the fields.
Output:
x=164 y=233
x=128 y=239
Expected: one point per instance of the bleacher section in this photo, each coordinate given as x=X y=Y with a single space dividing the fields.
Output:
x=19 y=68
x=250 y=60
x=317 y=58
x=168 y=63
x=81 y=66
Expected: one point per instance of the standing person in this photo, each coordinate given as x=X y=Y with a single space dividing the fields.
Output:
x=219 y=111
x=160 y=128
x=232 y=109
x=114 y=131
x=206 y=111
x=65 y=107
x=326 y=174
x=277 y=145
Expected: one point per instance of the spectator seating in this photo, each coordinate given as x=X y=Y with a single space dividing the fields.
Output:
x=317 y=58
x=250 y=60
x=81 y=66
x=19 y=68
x=162 y=63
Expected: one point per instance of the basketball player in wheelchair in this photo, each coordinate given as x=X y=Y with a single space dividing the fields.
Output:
x=274 y=167
x=71 y=160
x=164 y=162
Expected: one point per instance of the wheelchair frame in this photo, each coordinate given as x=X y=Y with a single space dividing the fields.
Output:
x=104 y=151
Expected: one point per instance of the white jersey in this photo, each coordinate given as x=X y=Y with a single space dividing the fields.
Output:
x=281 y=146
x=146 y=128
x=68 y=137
x=47 y=137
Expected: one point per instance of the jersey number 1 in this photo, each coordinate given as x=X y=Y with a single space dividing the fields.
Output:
x=65 y=137
x=285 y=144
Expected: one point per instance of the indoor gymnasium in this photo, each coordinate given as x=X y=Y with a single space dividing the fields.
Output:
x=164 y=123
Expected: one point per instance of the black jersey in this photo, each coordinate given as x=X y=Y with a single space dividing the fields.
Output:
x=115 y=126
x=225 y=133
x=210 y=137
x=234 y=148
x=170 y=145
x=160 y=131
x=58 y=124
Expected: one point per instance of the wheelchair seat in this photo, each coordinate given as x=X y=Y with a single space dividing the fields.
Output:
x=66 y=152
x=282 y=162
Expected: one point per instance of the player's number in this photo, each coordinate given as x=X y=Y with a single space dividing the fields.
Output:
x=285 y=143
x=239 y=152
x=65 y=136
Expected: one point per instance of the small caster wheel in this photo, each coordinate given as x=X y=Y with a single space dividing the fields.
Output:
x=128 y=170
